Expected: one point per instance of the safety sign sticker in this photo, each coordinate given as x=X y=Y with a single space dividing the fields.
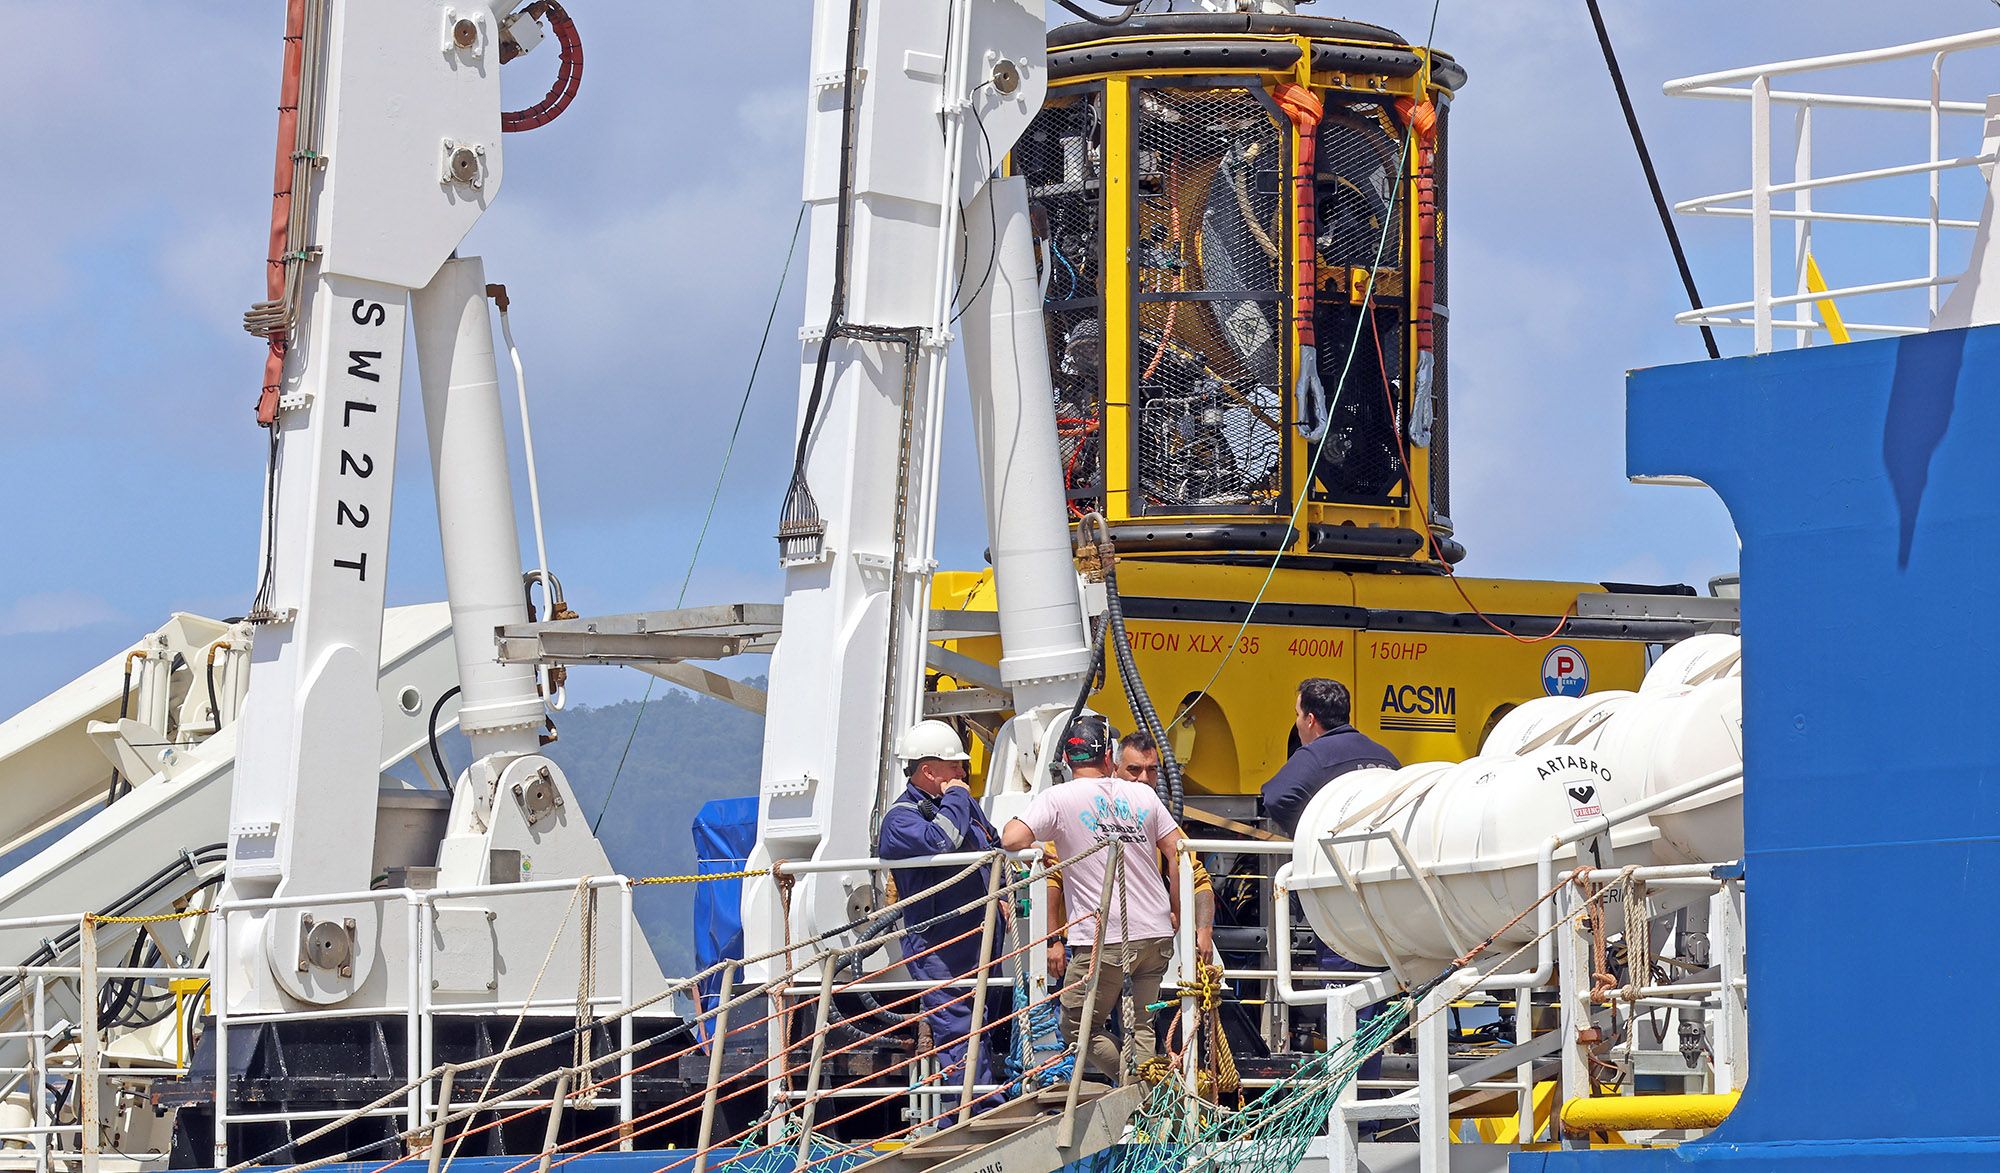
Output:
x=1581 y=778
x=1565 y=672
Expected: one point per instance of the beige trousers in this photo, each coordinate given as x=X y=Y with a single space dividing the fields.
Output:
x=1148 y=965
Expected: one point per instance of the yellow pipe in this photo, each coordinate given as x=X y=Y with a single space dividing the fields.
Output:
x=1625 y=1113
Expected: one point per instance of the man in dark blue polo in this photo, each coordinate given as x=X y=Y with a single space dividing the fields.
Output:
x=935 y=815
x=1328 y=748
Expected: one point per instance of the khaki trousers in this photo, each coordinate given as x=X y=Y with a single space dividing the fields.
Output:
x=1148 y=965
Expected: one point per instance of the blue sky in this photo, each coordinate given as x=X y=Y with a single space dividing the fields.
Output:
x=642 y=236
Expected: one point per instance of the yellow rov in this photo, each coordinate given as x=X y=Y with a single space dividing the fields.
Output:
x=1242 y=228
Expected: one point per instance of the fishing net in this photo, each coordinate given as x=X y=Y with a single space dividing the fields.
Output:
x=1174 y=1131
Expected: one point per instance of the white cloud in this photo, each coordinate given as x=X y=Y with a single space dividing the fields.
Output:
x=55 y=611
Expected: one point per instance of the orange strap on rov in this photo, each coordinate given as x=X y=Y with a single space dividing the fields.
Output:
x=1422 y=117
x=1304 y=108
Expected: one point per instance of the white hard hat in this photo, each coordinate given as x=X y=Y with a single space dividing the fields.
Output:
x=931 y=739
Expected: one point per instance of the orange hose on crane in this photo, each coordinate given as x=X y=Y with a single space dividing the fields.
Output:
x=569 y=71
x=281 y=203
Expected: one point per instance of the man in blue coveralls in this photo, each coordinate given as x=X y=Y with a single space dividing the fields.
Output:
x=936 y=815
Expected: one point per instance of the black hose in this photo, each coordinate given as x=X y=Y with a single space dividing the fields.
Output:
x=124 y=707
x=1170 y=787
x=431 y=729
x=798 y=498
x=214 y=705
x=130 y=1007
x=1652 y=176
x=1092 y=681
x=1129 y=6
x=112 y=1000
x=869 y=1002
x=50 y=949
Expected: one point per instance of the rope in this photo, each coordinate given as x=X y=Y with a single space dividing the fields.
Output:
x=155 y=918
x=586 y=988
x=1207 y=990
x=1638 y=939
x=925 y=1052
x=702 y=879
x=493 y=1073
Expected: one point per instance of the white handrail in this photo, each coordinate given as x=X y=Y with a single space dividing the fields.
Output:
x=1763 y=189
x=1837 y=101
x=1952 y=44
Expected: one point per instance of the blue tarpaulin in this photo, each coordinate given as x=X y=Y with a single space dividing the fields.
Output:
x=725 y=830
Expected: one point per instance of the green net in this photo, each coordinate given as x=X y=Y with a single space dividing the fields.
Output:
x=825 y=1156
x=1176 y=1131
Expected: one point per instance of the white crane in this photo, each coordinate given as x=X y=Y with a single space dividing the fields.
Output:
x=395 y=153
x=914 y=106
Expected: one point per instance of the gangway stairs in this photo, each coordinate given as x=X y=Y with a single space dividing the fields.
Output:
x=1032 y=1134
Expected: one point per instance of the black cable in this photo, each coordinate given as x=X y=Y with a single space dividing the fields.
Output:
x=47 y=952
x=214 y=705
x=260 y=603
x=1090 y=678
x=1130 y=7
x=992 y=215
x=1169 y=786
x=1652 y=176
x=837 y=301
x=124 y=704
x=694 y=559
x=431 y=729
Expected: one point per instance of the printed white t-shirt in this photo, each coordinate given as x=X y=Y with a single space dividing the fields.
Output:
x=1076 y=816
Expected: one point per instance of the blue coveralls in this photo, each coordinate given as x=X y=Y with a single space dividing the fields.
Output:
x=916 y=825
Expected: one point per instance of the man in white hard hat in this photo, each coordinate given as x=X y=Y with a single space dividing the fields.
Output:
x=935 y=815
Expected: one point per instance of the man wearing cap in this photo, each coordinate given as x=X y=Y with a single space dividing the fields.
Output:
x=1096 y=805
x=935 y=815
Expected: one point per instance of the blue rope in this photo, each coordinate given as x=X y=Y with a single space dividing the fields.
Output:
x=1043 y=1025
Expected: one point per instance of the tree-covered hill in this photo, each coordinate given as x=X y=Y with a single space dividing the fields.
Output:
x=685 y=751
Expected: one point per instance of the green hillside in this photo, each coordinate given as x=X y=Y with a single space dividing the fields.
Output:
x=687 y=750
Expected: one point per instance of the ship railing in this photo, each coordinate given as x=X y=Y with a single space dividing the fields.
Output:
x=421 y=1100
x=798 y=1078
x=1562 y=974
x=807 y=975
x=1813 y=303
x=61 y=1050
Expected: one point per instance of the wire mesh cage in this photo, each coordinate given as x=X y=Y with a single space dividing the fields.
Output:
x=1062 y=158
x=1208 y=264
x=1361 y=221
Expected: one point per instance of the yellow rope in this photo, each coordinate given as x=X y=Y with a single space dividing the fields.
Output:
x=1207 y=990
x=157 y=917
x=743 y=875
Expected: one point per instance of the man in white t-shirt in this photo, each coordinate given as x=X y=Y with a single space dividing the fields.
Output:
x=1093 y=806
